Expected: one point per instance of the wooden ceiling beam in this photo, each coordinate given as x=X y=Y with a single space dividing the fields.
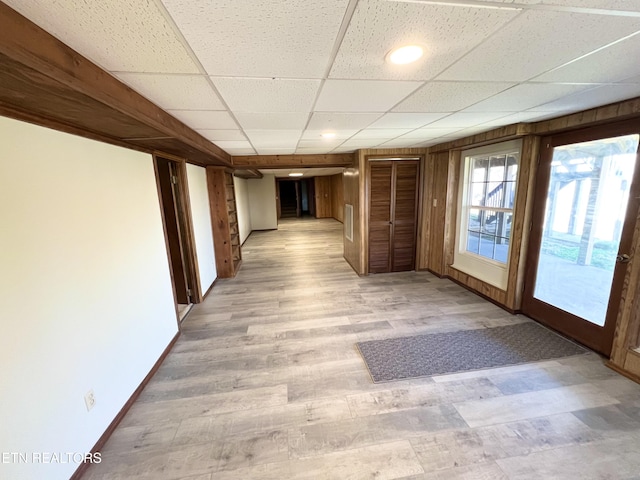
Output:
x=293 y=161
x=247 y=173
x=24 y=43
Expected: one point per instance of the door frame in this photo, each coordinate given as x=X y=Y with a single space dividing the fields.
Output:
x=366 y=198
x=187 y=238
x=596 y=337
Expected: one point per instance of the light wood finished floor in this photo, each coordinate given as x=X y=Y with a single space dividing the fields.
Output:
x=265 y=383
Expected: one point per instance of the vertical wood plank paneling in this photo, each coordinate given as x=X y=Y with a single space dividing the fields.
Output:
x=425 y=233
x=351 y=191
x=451 y=206
x=323 y=197
x=337 y=197
x=224 y=221
x=406 y=189
x=628 y=324
x=521 y=221
x=380 y=182
x=436 y=262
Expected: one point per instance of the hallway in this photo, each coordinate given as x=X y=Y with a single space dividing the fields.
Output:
x=265 y=383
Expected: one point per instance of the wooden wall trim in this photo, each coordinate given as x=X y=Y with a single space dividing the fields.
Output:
x=82 y=468
x=39 y=55
x=628 y=323
x=496 y=135
x=293 y=161
x=594 y=116
x=56 y=124
x=522 y=220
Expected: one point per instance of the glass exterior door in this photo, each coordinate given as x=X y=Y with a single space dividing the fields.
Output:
x=582 y=200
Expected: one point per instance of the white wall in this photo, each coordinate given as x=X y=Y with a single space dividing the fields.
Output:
x=85 y=293
x=242 y=207
x=262 y=203
x=201 y=216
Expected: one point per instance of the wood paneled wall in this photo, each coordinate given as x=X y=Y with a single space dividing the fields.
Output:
x=351 y=191
x=363 y=155
x=625 y=356
x=440 y=185
x=323 y=197
x=337 y=197
x=436 y=240
x=444 y=229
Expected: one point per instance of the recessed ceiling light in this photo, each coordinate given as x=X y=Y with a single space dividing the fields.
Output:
x=404 y=55
x=296 y=174
x=328 y=135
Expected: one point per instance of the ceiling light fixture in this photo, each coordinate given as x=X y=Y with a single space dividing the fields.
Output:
x=296 y=174
x=328 y=135
x=405 y=55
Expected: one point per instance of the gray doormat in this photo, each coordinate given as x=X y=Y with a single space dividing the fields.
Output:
x=439 y=353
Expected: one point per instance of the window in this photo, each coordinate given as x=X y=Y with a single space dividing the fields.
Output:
x=485 y=214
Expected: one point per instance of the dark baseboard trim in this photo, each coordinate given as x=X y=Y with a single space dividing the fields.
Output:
x=82 y=468
x=209 y=290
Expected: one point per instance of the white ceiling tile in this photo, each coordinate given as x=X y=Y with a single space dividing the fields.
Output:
x=613 y=65
x=267 y=94
x=320 y=143
x=241 y=151
x=311 y=150
x=406 y=120
x=525 y=96
x=204 y=119
x=260 y=39
x=344 y=149
x=233 y=144
x=634 y=79
x=434 y=141
x=426 y=133
x=399 y=143
x=364 y=142
x=317 y=134
x=622 y=5
x=361 y=95
x=131 y=36
x=467 y=132
x=465 y=119
x=262 y=139
x=528 y=116
x=216 y=135
x=341 y=121
x=378 y=26
x=381 y=133
x=177 y=92
x=450 y=96
x=276 y=151
x=537 y=41
x=276 y=121
x=593 y=98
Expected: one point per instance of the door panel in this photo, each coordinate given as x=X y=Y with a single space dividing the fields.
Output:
x=393 y=195
x=583 y=219
x=380 y=217
x=404 y=216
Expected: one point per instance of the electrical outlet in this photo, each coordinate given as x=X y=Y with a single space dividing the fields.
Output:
x=89 y=400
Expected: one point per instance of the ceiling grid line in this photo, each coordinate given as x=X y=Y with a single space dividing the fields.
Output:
x=267 y=78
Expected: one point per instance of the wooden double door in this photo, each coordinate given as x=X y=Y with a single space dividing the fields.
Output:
x=393 y=214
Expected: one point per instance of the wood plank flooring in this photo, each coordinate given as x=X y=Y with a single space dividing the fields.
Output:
x=265 y=383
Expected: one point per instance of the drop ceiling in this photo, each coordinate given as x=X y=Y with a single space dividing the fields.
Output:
x=270 y=77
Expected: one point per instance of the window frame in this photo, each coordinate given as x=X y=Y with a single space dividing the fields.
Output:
x=483 y=268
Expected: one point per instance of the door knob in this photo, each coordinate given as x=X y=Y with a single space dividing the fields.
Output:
x=623 y=258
